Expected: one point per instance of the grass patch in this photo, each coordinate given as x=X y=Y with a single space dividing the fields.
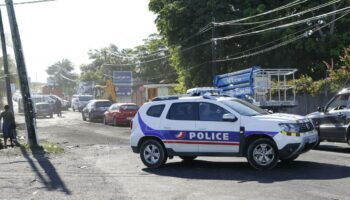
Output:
x=45 y=147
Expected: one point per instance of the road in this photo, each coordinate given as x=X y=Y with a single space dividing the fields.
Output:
x=99 y=164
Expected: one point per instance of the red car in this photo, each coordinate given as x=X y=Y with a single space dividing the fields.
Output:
x=120 y=113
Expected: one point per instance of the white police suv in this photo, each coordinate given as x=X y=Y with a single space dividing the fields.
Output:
x=218 y=126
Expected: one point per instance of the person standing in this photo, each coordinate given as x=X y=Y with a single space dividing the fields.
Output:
x=58 y=106
x=8 y=125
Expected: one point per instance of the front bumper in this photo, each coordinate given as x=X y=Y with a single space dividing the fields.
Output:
x=135 y=149
x=294 y=149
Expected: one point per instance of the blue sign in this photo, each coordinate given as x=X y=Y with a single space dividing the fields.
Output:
x=122 y=78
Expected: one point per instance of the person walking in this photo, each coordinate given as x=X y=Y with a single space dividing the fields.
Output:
x=8 y=125
x=58 y=106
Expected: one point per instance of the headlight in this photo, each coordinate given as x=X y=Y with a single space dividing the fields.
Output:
x=290 y=127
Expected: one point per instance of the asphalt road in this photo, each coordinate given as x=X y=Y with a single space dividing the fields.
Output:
x=99 y=164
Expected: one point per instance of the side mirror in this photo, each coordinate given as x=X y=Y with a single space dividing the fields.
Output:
x=229 y=118
x=320 y=109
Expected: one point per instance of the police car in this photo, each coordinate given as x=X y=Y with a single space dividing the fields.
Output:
x=218 y=126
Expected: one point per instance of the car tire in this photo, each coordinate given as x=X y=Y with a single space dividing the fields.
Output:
x=153 y=154
x=51 y=115
x=188 y=158
x=91 y=119
x=115 y=123
x=73 y=109
x=289 y=160
x=262 y=154
x=84 y=118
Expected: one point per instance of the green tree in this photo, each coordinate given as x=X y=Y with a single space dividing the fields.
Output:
x=61 y=74
x=104 y=62
x=154 y=61
x=182 y=19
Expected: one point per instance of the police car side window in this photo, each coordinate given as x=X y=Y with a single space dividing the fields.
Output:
x=211 y=112
x=155 y=111
x=182 y=111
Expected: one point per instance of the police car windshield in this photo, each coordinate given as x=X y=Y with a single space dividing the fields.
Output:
x=244 y=108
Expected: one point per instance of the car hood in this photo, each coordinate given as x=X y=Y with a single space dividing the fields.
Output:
x=281 y=117
x=315 y=115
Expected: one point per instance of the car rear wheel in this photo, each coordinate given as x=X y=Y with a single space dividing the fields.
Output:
x=115 y=123
x=153 y=154
x=262 y=154
x=188 y=158
x=91 y=119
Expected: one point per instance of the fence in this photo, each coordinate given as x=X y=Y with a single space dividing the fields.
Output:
x=307 y=103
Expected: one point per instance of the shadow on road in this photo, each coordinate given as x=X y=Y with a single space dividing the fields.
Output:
x=242 y=172
x=333 y=148
x=45 y=171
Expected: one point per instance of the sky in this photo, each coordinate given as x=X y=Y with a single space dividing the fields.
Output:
x=68 y=29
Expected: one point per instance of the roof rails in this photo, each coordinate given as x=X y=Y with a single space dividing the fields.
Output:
x=174 y=97
x=163 y=98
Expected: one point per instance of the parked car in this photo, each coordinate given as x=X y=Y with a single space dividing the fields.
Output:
x=36 y=98
x=95 y=109
x=44 y=109
x=80 y=101
x=120 y=113
x=218 y=126
x=333 y=120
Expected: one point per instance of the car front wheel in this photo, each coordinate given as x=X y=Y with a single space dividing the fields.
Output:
x=153 y=154
x=262 y=154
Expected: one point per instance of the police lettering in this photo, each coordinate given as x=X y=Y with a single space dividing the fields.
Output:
x=209 y=136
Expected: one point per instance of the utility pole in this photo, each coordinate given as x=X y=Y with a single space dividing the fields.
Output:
x=23 y=77
x=6 y=65
x=213 y=49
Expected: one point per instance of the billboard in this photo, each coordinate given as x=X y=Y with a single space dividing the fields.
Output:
x=122 y=78
x=123 y=82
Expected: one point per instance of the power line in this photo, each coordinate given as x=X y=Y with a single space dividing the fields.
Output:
x=285 y=17
x=283 y=26
x=236 y=35
x=283 y=43
x=266 y=49
x=30 y=2
x=212 y=24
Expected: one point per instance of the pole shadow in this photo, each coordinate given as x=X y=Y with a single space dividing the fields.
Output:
x=50 y=178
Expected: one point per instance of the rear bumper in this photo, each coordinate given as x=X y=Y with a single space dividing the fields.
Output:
x=97 y=115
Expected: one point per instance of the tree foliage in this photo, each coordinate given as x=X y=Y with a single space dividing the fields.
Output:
x=148 y=62
x=337 y=75
x=61 y=74
x=179 y=20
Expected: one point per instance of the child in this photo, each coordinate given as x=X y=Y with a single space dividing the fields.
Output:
x=8 y=125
